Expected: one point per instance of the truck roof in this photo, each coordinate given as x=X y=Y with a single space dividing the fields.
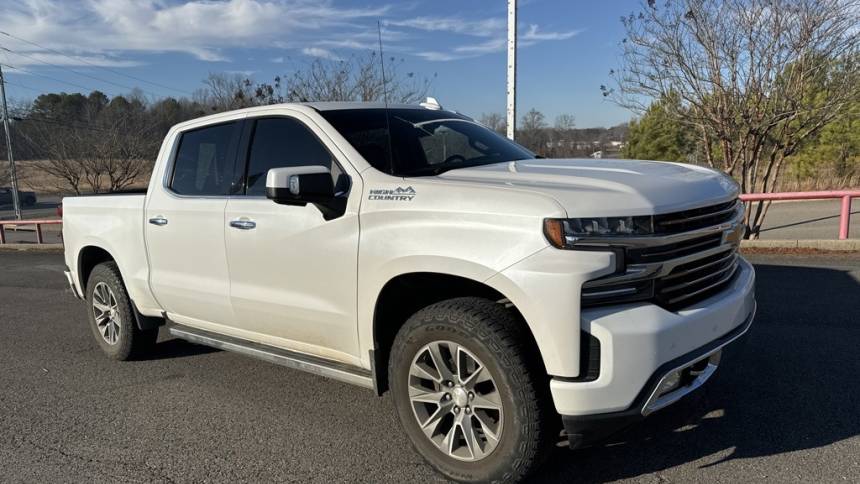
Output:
x=317 y=106
x=334 y=106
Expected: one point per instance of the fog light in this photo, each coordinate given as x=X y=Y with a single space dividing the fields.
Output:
x=670 y=382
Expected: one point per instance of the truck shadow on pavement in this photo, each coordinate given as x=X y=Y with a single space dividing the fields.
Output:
x=177 y=348
x=789 y=385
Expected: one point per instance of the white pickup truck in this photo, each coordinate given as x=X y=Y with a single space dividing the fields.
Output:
x=506 y=301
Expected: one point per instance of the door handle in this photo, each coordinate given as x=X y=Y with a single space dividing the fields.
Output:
x=243 y=224
x=158 y=220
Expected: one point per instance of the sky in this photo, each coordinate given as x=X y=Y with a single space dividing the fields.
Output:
x=167 y=47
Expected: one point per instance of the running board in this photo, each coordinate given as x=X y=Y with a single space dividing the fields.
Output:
x=291 y=359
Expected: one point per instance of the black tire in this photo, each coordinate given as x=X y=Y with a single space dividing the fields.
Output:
x=29 y=202
x=499 y=339
x=131 y=342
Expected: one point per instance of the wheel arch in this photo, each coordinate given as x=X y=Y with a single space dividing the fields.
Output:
x=405 y=294
x=88 y=258
x=92 y=255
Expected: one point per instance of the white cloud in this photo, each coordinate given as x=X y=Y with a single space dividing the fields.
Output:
x=493 y=28
x=497 y=44
x=320 y=52
x=349 y=44
x=532 y=34
x=102 y=32
x=202 y=28
x=439 y=56
x=481 y=28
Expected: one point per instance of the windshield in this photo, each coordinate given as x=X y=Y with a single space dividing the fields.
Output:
x=423 y=142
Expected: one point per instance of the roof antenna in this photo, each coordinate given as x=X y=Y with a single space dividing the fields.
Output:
x=385 y=98
x=382 y=63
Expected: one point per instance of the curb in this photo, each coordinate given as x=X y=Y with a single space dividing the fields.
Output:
x=31 y=247
x=817 y=244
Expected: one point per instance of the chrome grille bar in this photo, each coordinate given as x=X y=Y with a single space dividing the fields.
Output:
x=672 y=270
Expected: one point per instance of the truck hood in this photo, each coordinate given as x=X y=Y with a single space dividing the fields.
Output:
x=601 y=187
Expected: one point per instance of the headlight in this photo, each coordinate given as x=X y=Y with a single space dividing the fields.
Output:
x=564 y=233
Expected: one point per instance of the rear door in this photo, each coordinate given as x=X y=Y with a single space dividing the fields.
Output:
x=293 y=273
x=185 y=226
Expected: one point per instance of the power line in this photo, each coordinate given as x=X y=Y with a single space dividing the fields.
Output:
x=66 y=68
x=84 y=61
x=49 y=77
x=23 y=86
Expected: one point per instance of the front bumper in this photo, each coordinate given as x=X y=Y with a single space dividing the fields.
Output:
x=693 y=370
x=650 y=358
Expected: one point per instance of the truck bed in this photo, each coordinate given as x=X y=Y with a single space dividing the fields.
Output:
x=113 y=223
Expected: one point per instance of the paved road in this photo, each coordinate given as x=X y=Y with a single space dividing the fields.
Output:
x=783 y=408
x=810 y=219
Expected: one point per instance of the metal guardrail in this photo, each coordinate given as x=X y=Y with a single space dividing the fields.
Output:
x=845 y=195
x=38 y=223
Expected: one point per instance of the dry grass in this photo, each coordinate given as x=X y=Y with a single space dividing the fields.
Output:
x=31 y=178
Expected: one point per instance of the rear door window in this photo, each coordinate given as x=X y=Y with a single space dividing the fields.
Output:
x=205 y=160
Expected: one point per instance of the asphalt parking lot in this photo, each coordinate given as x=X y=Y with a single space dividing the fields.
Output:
x=782 y=408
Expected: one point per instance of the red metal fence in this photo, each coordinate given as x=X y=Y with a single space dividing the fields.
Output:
x=845 y=195
x=38 y=223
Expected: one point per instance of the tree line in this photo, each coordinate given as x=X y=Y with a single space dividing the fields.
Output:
x=751 y=87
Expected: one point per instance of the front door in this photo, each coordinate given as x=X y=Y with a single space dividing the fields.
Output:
x=293 y=273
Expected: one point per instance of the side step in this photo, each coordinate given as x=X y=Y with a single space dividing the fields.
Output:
x=291 y=359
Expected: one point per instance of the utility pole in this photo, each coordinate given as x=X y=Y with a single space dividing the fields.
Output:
x=16 y=203
x=512 y=68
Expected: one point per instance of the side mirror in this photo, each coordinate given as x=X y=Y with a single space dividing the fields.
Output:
x=300 y=185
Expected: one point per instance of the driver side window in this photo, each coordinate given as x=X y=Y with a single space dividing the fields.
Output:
x=445 y=143
x=283 y=142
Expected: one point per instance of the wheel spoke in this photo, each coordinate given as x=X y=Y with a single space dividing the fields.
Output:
x=419 y=370
x=430 y=425
x=490 y=401
x=450 y=439
x=471 y=439
x=101 y=307
x=416 y=395
x=489 y=433
x=479 y=376
x=440 y=363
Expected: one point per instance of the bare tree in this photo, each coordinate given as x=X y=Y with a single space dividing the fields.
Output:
x=358 y=78
x=494 y=121
x=755 y=78
x=224 y=92
x=531 y=132
x=564 y=122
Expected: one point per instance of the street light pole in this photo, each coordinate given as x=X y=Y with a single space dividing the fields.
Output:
x=512 y=68
x=16 y=202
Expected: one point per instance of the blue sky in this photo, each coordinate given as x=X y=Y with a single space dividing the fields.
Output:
x=567 y=46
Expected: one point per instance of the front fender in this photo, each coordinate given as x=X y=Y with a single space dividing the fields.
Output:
x=545 y=288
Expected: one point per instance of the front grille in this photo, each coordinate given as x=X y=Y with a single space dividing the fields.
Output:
x=679 y=272
x=694 y=219
x=696 y=280
x=666 y=252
